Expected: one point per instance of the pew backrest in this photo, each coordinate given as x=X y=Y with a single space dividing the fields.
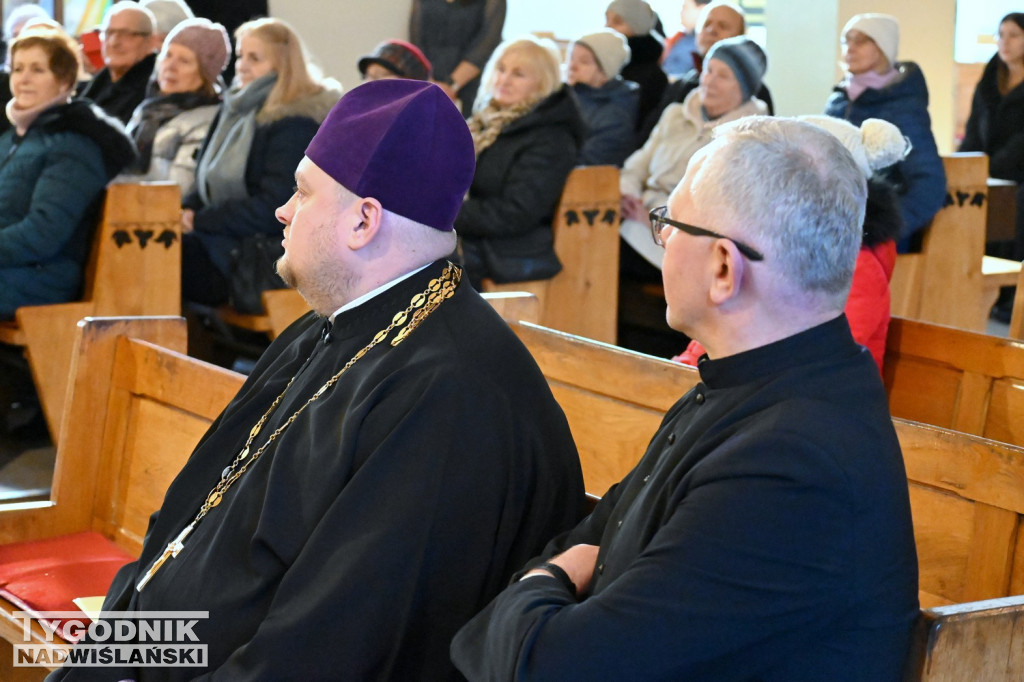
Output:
x=951 y=281
x=134 y=269
x=956 y=379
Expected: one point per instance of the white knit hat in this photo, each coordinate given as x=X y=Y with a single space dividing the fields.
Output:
x=884 y=29
x=610 y=49
x=877 y=144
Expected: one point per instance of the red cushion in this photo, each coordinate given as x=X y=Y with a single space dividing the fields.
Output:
x=46 y=575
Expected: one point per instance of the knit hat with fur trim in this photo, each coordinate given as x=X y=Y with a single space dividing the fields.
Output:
x=636 y=13
x=402 y=142
x=610 y=48
x=884 y=29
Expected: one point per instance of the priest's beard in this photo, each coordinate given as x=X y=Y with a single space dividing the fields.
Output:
x=324 y=282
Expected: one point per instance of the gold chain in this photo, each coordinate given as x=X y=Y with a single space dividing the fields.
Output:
x=424 y=303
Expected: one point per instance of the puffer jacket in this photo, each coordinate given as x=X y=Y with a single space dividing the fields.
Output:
x=610 y=113
x=278 y=145
x=505 y=223
x=920 y=178
x=51 y=187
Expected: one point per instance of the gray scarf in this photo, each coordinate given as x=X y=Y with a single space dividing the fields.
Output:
x=220 y=175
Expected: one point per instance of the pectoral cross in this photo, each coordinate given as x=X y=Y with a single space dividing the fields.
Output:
x=170 y=552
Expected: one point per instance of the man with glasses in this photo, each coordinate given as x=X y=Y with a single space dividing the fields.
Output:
x=129 y=58
x=766 y=533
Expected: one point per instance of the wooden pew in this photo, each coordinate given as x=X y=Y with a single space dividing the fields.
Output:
x=956 y=379
x=1016 y=330
x=582 y=299
x=951 y=281
x=967 y=493
x=134 y=269
x=135 y=411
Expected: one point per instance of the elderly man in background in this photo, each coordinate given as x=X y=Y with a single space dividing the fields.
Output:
x=717 y=21
x=129 y=57
x=766 y=534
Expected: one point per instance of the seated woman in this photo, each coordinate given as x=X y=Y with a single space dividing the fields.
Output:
x=608 y=103
x=527 y=133
x=637 y=21
x=877 y=86
x=732 y=74
x=996 y=124
x=171 y=123
x=246 y=167
x=58 y=157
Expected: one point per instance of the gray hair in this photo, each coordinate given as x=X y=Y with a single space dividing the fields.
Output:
x=796 y=192
x=146 y=20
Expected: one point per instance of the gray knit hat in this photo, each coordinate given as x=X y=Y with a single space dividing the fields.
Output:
x=610 y=49
x=637 y=13
x=746 y=59
x=209 y=42
x=168 y=13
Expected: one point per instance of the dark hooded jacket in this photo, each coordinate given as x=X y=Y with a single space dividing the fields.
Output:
x=51 y=187
x=644 y=69
x=610 y=114
x=505 y=223
x=996 y=125
x=119 y=98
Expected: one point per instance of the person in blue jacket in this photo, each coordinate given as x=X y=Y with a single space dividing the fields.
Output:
x=878 y=86
x=607 y=103
x=56 y=160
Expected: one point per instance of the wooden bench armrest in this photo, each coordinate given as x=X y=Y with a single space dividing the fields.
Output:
x=972 y=641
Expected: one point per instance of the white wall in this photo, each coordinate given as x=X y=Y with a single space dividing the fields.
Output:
x=339 y=32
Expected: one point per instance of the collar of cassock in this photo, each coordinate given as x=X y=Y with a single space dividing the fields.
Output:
x=327 y=332
x=825 y=342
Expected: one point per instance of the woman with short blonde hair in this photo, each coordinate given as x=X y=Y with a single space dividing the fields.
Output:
x=527 y=132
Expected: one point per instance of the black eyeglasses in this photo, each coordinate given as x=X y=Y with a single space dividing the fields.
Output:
x=658 y=221
x=123 y=33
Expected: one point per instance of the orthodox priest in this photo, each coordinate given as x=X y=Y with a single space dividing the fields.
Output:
x=394 y=456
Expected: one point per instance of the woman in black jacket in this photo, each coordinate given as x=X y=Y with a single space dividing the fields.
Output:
x=996 y=124
x=527 y=132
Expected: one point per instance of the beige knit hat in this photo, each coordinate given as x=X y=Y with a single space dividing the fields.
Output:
x=884 y=29
x=610 y=49
x=875 y=145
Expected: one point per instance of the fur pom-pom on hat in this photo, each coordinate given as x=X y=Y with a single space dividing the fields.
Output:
x=875 y=145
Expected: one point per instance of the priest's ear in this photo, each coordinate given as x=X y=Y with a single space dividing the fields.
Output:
x=370 y=216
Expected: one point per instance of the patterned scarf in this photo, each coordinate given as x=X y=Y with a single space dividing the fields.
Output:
x=486 y=124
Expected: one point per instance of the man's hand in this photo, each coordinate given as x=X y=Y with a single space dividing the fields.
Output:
x=578 y=562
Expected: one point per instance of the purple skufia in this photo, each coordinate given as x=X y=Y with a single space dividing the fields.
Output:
x=403 y=143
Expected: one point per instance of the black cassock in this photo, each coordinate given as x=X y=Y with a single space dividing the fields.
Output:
x=392 y=510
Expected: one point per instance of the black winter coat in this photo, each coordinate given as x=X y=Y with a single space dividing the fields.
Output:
x=120 y=98
x=644 y=69
x=996 y=125
x=505 y=223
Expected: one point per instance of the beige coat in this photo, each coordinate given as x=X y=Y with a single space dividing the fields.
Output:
x=654 y=170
